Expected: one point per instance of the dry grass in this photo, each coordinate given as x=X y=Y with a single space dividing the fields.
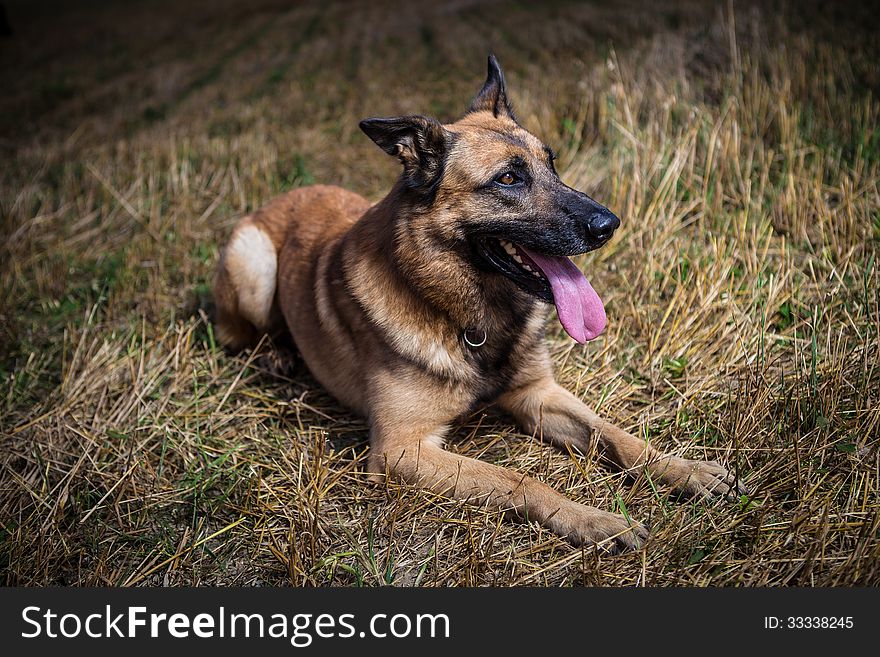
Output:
x=740 y=148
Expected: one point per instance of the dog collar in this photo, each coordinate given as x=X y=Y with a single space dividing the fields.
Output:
x=474 y=337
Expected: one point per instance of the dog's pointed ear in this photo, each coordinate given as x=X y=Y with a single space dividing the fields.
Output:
x=493 y=95
x=419 y=142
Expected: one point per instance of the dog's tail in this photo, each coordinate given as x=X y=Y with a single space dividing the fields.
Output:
x=245 y=282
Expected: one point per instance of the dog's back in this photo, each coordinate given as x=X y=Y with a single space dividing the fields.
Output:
x=298 y=224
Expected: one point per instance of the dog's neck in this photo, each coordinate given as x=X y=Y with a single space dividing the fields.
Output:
x=437 y=269
x=398 y=270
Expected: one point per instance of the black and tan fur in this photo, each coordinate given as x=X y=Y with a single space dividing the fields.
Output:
x=378 y=300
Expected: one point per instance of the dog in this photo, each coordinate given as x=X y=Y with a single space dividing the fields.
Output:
x=432 y=302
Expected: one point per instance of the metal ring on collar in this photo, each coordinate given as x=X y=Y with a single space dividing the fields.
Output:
x=474 y=337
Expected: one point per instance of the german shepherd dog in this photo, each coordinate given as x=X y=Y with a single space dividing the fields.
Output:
x=433 y=301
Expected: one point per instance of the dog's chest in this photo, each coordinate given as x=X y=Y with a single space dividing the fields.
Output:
x=496 y=362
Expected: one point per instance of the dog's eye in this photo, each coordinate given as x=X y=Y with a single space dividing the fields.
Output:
x=507 y=178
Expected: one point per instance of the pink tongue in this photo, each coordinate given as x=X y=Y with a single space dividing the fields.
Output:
x=579 y=308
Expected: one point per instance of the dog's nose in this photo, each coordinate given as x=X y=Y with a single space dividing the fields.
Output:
x=602 y=224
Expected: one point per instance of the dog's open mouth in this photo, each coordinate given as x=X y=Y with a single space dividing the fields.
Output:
x=554 y=279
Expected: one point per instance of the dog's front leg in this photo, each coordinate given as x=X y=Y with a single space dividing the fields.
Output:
x=547 y=408
x=411 y=449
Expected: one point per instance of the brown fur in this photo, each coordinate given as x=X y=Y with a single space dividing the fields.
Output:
x=377 y=300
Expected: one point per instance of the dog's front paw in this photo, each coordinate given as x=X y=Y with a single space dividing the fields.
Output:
x=609 y=531
x=697 y=478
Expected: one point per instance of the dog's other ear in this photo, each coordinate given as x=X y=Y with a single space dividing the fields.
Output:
x=419 y=142
x=493 y=95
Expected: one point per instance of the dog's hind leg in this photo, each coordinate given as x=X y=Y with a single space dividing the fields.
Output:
x=244 y=286
x=547 y=409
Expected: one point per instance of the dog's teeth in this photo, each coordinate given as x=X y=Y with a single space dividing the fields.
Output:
x=508 y=247
x=518 y=259
x=526 y=267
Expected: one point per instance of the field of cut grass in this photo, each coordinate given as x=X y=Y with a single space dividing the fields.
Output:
x=739 y=144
